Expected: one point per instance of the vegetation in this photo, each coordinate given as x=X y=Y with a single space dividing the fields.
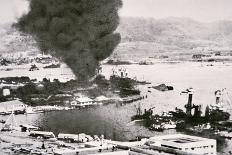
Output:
x=10 y=80
x=55 y=92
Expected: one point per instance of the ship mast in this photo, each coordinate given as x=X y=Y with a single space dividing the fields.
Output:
x=10 y=122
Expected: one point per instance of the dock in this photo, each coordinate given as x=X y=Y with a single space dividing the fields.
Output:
x=131 y=99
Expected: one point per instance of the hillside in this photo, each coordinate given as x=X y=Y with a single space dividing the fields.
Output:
x=12 y=41
x=176 y=38
x=171 y=36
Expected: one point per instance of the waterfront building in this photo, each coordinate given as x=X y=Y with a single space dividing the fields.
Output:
x=197 y=56
x=75 y=137
x=6 y=92
x=82 y=101
x=185 y=143
x=45 y=135
x=101 y=99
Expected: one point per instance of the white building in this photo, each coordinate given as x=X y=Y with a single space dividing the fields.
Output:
x=186 y=143
x=101 y=99
x=75 y=137
x=42 y=134
x=6 y=92
x=82 y=101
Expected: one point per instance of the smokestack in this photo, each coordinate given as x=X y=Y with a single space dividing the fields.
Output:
x=218 y=96
x=190 y=98
x=189 y=104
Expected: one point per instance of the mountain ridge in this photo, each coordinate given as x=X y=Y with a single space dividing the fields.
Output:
x=149 y=37
x=146 y=37
x=150 y=29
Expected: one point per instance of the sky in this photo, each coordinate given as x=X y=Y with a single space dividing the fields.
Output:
x=201 y=10
x=11 y=10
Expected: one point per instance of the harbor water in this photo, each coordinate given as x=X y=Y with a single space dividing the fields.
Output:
x=114 y=120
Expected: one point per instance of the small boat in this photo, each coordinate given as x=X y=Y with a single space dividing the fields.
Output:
x=143 y=82
x=156 y=127
x=5 y=113
x=9 y=69
x=26 y=127
x=52 y=66
x=17 y=112
x=2 y=121
x=29 y=110
x=33 y=68
x=145 y=63
x=169 y=125
x=209 y=65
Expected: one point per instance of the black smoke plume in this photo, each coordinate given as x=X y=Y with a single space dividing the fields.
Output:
x=80 y=32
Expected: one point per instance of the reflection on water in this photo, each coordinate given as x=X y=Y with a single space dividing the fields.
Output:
x=111 y=120
x=108 y=120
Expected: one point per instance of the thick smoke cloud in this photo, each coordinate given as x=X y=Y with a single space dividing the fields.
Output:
x=80 y=32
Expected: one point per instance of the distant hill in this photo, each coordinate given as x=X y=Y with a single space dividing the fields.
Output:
x=12 y=41
x=171 y=36
x=146 y=37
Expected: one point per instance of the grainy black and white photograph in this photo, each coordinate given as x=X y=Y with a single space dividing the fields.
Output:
x=115 y=77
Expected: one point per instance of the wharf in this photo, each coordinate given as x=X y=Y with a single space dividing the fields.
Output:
x=132 y=99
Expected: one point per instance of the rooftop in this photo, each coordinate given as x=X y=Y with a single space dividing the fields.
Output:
x=180 y=139
x=101 y=98
x=84 y=99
